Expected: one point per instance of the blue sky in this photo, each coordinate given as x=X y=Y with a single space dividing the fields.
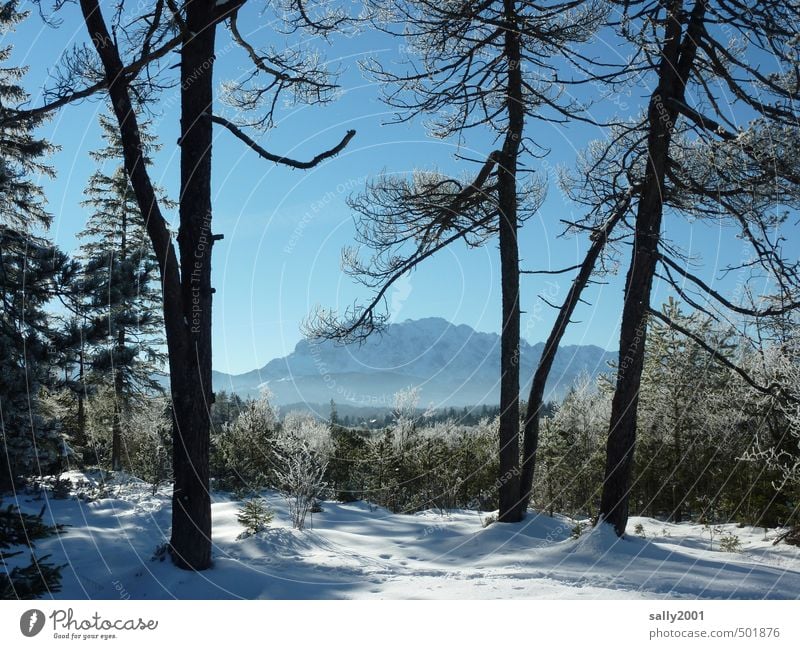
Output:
x=284 y=228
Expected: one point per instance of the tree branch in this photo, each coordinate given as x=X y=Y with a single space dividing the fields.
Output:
x=770 y=391
x=777 y=311
x=289 y=162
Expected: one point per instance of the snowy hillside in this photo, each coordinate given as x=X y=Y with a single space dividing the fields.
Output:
x=454 y=365
x=357 y=551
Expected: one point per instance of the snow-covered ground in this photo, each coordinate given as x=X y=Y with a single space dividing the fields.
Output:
x=357 y=551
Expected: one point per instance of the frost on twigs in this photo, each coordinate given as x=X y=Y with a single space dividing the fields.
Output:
x=300 y=465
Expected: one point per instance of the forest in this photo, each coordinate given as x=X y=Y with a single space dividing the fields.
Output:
x=684 y=117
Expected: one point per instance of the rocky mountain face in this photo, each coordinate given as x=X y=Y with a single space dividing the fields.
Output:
x=453 y=365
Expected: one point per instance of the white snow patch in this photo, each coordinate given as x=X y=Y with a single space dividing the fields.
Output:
x=355 y=550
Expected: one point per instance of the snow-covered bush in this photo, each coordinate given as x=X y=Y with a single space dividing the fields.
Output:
x=442 y=466
x=730 y=543
x=147 y=441
x=571 y=456
x=300 y=465
x=405 y=414
x=774 y=450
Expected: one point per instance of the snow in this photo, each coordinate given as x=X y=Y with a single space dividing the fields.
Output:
x=354 y=550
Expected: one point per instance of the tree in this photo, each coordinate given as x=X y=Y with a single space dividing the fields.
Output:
x=148 y=447
x=38 y=578
x=712 y=64
x=32 y=272
x=243 y=448
x=774 y=445
x=577 y=429
x=72 y=338
x=121 y=279
x=185 y=272
x=479 y=66
x=536 y=407
x=301 y=461
x=684 y=452
x=22 y=204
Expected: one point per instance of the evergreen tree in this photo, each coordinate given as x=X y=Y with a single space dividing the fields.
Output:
x=242 y=451
x=122 y=279
x=581 y=420
x=22 y=204
x=39 y=577
x=32 y=271
x=681 y=383
x=74 y=337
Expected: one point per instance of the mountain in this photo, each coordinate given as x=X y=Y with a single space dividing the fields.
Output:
x=453 y=365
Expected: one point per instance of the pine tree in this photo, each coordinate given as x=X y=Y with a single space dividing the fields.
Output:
x=74 y=337
x=122 y=279
x=22 y=202
x=32 y=271
x=684 y=452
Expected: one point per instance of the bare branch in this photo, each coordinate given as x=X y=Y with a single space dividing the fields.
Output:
x=289 y=162
x=773 y=311
x=771 y=390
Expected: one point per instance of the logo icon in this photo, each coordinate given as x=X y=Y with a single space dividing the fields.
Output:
x=31 y=622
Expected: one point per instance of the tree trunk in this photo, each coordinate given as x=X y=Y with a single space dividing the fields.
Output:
x=116 y=420
x=675 y=66
x=191 y=393
x=677 y=483
x=536 y=397
x=119 y=382
x=81 y=437
x=510 y=505
x=189 y=364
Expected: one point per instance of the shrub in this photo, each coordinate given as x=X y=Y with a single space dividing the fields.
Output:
x=730 y=543
x=254 y=515
x=489 y=520
x=61 y=488
x=300 y=468
x=148 y=442
x=578 y=529
x=242 y=452
x=37 y=578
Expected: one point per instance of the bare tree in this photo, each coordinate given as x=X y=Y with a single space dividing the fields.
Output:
x=481 y=65
x=145 y=39
x=713 y=64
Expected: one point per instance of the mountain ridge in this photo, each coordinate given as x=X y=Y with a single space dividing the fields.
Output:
x=453 y=365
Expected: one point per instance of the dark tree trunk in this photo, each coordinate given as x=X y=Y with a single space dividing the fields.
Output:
x=191 y=394
x=677 y=482
x=116 y=421
x=536 y=397
x=510 y=509
x=188 y=351
x=81 y=437
x=119 y=382
x=675 y=66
